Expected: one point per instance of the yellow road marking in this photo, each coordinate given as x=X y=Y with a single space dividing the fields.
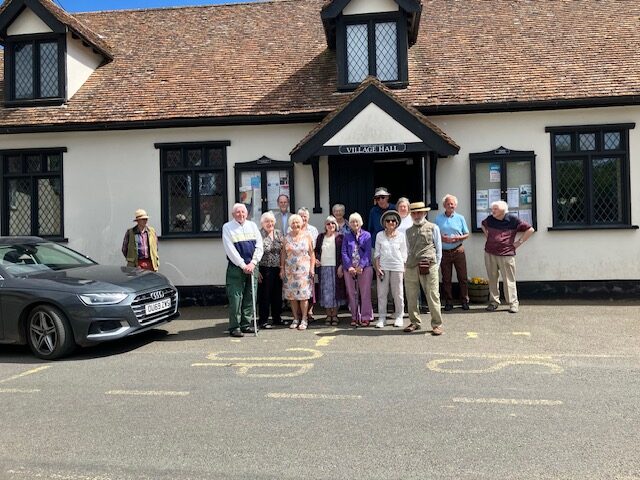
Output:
x=311 y=355
x=324 y=341
x=150 y=393
x=24 y=374
x=313 y=396
x=435 y=366
x=18 y=390
x=472 y=335
x=244 y=368
x=524 y=334
x=508 y=401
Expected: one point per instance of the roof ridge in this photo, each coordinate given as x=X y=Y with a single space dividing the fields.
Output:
x=182 y=7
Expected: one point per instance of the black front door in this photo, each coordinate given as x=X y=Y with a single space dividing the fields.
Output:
x=352 y=181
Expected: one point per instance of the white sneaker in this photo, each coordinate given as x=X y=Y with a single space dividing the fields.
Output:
x=294 y=324
x=303 y=325
x=380 y=324
x=399 y=322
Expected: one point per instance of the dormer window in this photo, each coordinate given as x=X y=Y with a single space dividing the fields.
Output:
x=372 y=49
x=35 y=70
x=371 y=39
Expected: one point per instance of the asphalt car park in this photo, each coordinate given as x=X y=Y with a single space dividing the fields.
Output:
x=551 y=392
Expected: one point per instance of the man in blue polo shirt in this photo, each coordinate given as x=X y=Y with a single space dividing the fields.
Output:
x=381 y=197
x=454 y=231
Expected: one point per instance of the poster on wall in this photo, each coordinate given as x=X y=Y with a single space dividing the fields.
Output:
x=526 y=195
x=526 y=215
x=494 y=173
x=482 y=200
x=513 y=197
x=494 y=195
x=480 y=216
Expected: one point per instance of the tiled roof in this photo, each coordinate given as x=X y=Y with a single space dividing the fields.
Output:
x=270 y=58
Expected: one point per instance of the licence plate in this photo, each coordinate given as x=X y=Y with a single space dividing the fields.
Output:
x=154 y=307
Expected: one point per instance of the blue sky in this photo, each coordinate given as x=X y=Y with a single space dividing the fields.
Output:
x=91 y=5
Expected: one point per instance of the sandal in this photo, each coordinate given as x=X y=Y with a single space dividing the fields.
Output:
x=354 y=323
x=335 y=321
x=328 y=320
x=412 y=327
x=303 y=325
x=364 y=323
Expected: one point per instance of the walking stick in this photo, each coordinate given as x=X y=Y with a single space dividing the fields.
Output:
x=357 y=292
x=253 y=302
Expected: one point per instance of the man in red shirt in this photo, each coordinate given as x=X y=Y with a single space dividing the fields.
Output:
x=501 y=229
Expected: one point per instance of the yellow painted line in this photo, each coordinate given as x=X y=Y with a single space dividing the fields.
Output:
x=436 y=366
x=472 y=335
x=235 y=341
x=508 y=401
x=523 y=334
x=324 y=341
x=244 y=368
x=311 y=355
x=19 y=390
x=24 y=374
x=148 y=393
x=313 y=396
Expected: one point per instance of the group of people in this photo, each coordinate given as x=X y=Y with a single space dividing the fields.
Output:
x=283 y=258
x=401 y=249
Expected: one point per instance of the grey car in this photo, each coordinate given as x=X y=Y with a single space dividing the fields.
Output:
x=54 y=298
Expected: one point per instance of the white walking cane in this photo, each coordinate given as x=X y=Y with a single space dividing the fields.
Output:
x=253 y=301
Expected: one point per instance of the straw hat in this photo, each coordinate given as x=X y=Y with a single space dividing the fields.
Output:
x=418 y=207
x=140 y=215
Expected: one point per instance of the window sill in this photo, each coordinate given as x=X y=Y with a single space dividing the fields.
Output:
x=593 y=227
x=57 y=239
x=36 y=102
x=180 y=236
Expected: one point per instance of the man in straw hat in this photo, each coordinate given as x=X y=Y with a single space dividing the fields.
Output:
x=140 y=244
x=423 y=260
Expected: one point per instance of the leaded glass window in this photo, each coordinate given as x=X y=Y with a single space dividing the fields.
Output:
x=590 y=183
x=194 y=192
x=387 y=51
x=35 y=70
x=32 y=200
x=357 y=53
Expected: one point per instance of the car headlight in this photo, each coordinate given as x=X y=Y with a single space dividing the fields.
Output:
x=102 y=298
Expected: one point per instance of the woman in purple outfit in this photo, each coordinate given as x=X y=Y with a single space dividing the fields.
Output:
x=356 y=263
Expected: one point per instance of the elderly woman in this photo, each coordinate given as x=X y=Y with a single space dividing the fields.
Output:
x=338 y=211
x=390 y=257
x=269 y=282
x=402 y=206
x=297 y=267
x=313 y=232
x=356 y=263
x=328 y=253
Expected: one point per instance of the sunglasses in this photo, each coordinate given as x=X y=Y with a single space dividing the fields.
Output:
x=390 y=220
x=380 y=198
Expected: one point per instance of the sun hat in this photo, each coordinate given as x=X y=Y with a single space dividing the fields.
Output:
x=381 y=192
x=140 y=215
x=390 y=213
x=418 y=207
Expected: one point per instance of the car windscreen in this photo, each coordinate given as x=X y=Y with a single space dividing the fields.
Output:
x=25 y=259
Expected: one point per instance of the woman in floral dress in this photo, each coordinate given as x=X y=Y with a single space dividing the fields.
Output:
x=297 y=269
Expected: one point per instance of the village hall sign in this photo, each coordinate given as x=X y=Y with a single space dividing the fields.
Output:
x=372 y=148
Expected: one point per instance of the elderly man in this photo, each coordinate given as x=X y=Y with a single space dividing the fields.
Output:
x=381 y=198
x=140 y=244
x=243 y=245
x=501 y=230
x=454 y=230
x=283 y=214
x=424 y=254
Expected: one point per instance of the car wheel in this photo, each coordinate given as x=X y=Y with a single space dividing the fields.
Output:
x=49 y=333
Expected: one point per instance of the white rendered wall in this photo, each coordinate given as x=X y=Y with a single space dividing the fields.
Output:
x=548 y=255
x=108 y=175
x=372 y=125
x=358 y=7
x=81 y=63
x=27 y=23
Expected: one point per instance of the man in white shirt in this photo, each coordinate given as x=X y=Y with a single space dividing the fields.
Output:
x=243 y=245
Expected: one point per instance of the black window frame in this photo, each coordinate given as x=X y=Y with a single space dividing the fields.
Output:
x=194 y=171
x=586 y=156
x=9 y=70
x=400 y=18
x=504 y=157
x=6 y=176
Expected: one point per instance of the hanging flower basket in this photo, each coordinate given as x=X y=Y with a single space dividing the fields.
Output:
x=478 y=290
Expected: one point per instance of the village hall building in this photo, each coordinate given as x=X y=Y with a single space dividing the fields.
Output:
x=185 y=111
